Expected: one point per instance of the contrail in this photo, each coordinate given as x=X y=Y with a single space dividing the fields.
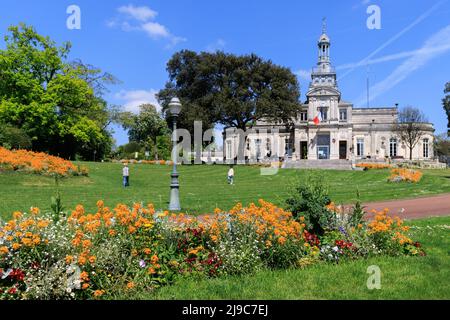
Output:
x=398 y=35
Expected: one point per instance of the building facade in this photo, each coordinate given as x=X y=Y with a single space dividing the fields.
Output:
x=327 y=127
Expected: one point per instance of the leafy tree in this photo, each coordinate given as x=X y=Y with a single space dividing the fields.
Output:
x=13 y=138
x=235 y=91
x=446 y=104
x=410 y=127
x=442 y=145
x=58 y=104
x=145 y=127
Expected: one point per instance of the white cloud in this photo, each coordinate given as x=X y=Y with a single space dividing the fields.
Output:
x=132 y=99
x=219 y=44
x=303 y=74
x=139 y=13
x=155 y=30
x=141 y=19
x=417 y=60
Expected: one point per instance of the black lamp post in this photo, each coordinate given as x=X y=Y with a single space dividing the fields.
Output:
x=174 y=204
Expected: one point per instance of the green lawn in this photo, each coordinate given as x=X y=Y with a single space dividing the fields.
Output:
x=402 y=277
x=202 y=187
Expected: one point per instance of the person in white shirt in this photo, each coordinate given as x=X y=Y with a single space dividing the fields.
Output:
x=126 y=175
x=230 y=175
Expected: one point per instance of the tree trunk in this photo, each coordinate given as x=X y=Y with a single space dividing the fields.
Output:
x=410 y=153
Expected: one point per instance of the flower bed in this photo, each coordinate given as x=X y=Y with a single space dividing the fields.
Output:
x=37 y=162
x=116 y=251
x=408 y=175
x=368 y=166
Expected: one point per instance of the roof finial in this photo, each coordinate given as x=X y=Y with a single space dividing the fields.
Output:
x=324 y=25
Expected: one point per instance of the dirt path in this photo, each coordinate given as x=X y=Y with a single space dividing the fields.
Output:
x=414 y=208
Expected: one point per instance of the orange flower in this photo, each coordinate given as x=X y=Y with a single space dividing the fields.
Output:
x=16 y=246
x=69 y=259
x=4 y=250
x=151 y=270
x=17 y=215
x=154 y=259
x=92 y=259
x=99 y=293
x=82 y=260
x=85 y=286
x=147 y=251
x=130 y=285
x=84 y=276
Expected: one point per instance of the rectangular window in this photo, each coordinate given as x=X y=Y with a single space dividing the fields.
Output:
x=303 y=115
x=323 y=113
x=360 y=147
x=343 y=114
x=393 y=147
x=229 y=150
x=425 y=148
x=258 y=148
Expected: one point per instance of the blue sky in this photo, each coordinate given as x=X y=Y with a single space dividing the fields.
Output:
x=408 y=59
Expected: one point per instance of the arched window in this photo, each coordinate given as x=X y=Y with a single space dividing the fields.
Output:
x=425 y=148
x=393 y=147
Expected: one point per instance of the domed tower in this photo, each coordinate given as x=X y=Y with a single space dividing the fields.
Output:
x=323 y=95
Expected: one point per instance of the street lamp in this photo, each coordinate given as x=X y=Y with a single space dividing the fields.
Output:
x=174 y=110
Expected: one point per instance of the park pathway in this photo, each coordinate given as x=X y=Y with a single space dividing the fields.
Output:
x=416 y=208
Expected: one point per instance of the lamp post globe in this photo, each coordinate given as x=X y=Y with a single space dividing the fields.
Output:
x=174 y=110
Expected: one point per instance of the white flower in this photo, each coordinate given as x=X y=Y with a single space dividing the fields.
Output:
x=336 y=249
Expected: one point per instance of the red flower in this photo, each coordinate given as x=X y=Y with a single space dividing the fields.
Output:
x=12 y=290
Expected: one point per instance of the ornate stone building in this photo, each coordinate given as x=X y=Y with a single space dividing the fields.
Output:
x=327 y=127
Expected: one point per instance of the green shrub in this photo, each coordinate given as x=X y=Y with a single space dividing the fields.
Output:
x=309 y=199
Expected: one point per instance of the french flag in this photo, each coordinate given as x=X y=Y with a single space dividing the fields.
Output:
x=317 y=119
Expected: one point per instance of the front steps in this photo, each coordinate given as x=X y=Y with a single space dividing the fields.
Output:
x=318 y=164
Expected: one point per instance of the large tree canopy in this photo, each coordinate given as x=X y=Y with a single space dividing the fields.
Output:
x=57 y=103
x=231 y=90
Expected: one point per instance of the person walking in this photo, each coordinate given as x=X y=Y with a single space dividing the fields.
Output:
x=126 y=175
x=230 y=175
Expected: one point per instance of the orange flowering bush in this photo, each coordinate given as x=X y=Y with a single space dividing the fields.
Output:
x=390 y=235
x=409 y=175
x=37 y=162
x=368 y=166
x=269 y=235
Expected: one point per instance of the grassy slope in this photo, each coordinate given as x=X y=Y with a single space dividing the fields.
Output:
x=402 y=277
x=202 y=187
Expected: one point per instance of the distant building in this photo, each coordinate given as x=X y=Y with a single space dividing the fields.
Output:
x=328 y=127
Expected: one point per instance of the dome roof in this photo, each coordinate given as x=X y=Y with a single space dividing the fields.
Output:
x=324 y=38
